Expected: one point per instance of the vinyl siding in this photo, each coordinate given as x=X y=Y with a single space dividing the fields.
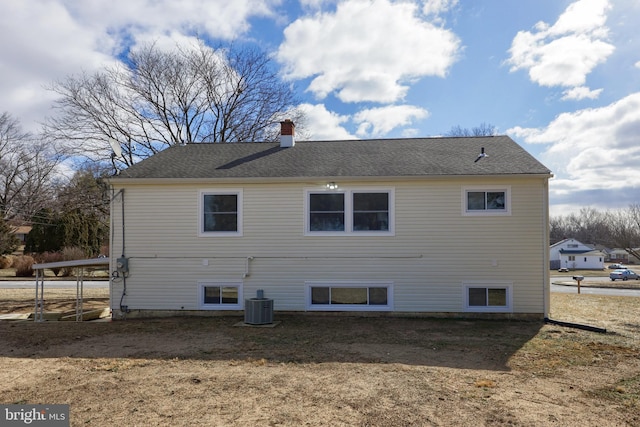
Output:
x=434 y=251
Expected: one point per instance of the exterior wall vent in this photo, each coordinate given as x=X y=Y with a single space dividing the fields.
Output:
x=258 y=311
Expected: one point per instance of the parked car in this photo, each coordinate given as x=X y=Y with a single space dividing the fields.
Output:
x=624 y=274
x=617 y=267
x=563 y=270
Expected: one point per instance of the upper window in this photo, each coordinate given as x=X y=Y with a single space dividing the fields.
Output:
x=220 y=213
x=354 y=211
x=371 y=211
x=326 y=212
x=485 y=201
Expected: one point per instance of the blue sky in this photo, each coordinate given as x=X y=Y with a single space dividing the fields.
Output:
x=561 y=77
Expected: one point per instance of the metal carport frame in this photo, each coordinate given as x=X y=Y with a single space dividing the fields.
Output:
x=80 y=265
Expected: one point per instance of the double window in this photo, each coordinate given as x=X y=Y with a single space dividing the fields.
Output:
x=486 y=201
x=355 y=211
x=220 y=295
x=349 y=296
x=220 y=213
x=488 y=298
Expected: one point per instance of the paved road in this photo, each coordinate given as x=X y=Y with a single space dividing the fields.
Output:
x=597 y=291
x=592 y=290
x=604 y=279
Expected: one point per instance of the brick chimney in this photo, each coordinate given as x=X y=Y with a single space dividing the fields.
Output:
x=287 y=133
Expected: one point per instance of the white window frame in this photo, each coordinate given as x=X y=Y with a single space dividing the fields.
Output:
x=220 y=283
x=348 y=211
x=493 y=285
x=219 y=192
x=486 y=212
x=348 y=307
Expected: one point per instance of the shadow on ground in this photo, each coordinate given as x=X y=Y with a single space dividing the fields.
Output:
x=464 y=344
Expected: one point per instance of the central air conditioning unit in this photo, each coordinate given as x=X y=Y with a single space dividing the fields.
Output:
x=258 y=311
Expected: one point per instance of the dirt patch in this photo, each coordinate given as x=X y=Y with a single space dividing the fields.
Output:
x=338 y=371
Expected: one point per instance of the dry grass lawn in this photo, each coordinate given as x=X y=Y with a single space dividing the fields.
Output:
x=329 y=371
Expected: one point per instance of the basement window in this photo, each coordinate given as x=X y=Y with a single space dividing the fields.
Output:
x=488 y=298
x=349 y=296
x=220 y=295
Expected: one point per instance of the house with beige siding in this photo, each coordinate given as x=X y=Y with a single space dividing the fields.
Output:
x=417 y=225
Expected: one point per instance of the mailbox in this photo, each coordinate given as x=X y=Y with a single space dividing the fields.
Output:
x=578 y=278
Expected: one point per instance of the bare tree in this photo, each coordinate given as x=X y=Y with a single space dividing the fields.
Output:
x=588 y=226
x=625 y=229
x=160 y=98
x=614 y=229
x=8 y=241
x=26 y=170
x=557 y=229
x=484 y=129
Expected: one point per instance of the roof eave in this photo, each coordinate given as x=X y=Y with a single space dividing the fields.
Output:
x=120 y=181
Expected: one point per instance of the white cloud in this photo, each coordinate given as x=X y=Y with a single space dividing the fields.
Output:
x=592 y=149
x=580 y=92
x=582 y=17
x=51 y=39
x=565 y=53
x=322 y=124
x=218 y=19
x=376 y=122
x=51 y=46
x=637 y=64
x=367 y=50
x=436 y=7
x=166 y=42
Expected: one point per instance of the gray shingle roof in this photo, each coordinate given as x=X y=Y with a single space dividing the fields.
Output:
x=412 y=157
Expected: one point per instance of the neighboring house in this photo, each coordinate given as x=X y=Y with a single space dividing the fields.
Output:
x=618 y=255
x=572 y=254
x=388 y=225
x=21 y=232
x=578 y=260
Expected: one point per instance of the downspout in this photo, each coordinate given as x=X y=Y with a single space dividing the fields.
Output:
x=116 y=274
x=124 y=274
x=576 y=326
